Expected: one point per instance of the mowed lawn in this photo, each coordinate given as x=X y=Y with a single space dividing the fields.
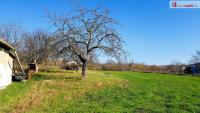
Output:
x=60 y=91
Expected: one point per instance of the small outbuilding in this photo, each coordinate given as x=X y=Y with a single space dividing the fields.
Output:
x=7 y=56
x=6 y=63
x=193 y=69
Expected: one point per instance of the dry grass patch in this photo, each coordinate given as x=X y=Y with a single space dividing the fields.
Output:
x=55 y=88
x=31 y=99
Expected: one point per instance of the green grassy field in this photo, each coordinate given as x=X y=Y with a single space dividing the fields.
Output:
x=59 y=91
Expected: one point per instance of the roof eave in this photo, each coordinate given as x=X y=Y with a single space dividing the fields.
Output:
x=7 y=45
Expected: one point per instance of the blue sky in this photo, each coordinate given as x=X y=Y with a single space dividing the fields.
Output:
x=154 y=33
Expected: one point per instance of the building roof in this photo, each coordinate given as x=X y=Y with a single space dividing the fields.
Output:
x=6 y=45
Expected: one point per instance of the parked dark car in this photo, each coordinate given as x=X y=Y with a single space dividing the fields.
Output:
x=71 y=66
x=193 y=69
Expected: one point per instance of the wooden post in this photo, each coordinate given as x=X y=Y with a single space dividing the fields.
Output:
x=19 y=62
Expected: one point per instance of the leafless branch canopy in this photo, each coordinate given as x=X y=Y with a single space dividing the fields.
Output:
x=196 y=57
x=87 y=31
x=12 y=33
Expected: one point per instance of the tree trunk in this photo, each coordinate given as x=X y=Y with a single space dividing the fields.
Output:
x=84 y=68
x=174 y=70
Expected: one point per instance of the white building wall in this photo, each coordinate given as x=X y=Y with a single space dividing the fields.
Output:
x=6 y=65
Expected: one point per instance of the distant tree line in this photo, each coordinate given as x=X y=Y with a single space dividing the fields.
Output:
x=173 y=68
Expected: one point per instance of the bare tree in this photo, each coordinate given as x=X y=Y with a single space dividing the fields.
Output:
x=196 y=57
x=177 y=67
x=12 y=33
x=29 y=49
x=85 y=32
x=38 y=46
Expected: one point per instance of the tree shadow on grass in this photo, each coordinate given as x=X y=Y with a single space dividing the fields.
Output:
x=38 y=77
x=59 y=71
